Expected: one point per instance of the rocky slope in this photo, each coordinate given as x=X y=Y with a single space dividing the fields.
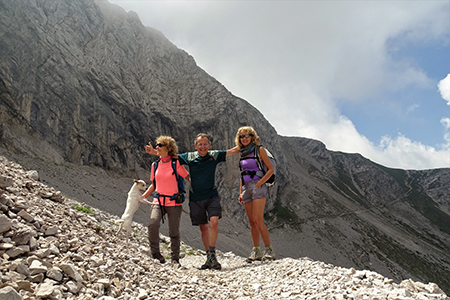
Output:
x=84 y=86
x=56 y=248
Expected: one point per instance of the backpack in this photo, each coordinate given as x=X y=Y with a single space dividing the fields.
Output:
x=181 y=195
x=262 y=167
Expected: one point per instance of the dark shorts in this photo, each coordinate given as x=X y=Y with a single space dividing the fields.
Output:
x=251 y=192
x=201 y=211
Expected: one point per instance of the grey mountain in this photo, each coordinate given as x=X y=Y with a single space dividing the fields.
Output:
x=84 y=86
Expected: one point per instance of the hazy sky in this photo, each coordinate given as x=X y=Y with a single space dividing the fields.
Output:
x=369 y=77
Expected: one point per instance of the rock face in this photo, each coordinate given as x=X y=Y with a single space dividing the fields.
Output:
x=84 y=82
x=53 y=249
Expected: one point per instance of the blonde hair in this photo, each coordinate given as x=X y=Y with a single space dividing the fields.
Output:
x=169 y=143
x=246 y=130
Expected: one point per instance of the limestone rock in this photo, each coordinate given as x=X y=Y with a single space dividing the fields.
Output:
x=45 y=289
x=9 y=293
x=5 y=223
x=72 y=272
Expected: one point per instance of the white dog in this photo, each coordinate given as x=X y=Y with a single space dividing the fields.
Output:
x=133 y=202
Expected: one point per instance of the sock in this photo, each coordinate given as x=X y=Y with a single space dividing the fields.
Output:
x=258 y=247
x=212 y=249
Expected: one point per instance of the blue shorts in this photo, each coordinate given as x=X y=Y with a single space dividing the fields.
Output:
x=251 y=192
x=201 y=211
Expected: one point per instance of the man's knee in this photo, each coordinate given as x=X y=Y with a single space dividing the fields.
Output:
x=204 y=228
x=214 y=222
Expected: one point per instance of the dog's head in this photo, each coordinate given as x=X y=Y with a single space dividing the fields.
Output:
x=140 y=184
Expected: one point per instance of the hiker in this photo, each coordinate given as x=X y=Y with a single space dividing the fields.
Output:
x=165 y=184
x=253 y=190
x=204 y=200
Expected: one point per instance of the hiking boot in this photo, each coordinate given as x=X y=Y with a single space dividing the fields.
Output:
x=269 y=254
x=175 y=263
x=255 y=255
x=211 y=262
x=159 y=257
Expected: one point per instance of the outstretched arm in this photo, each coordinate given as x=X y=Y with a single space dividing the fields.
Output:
x=233 y=151
x=149 y=149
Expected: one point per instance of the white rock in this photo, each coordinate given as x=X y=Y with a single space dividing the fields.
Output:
x=9 y=293
x=72 y=272
x=45 y=289
x=37 y=267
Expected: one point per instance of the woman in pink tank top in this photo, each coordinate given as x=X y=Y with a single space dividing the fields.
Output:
x=165 y=185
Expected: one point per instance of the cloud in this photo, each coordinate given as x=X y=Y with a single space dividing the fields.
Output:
x=446 y=123
x=444 y=88
x=412 y=108
x=394 y=152
x=298 y=61
x=401 y=152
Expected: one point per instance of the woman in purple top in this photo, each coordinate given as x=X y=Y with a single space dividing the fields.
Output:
x=253 y=190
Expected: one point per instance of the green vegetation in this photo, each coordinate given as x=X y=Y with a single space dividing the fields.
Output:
x=414 y=263
x=284 y=215
x=398 y=174
x=420 y=201
x=84 y=209
x=428 y=208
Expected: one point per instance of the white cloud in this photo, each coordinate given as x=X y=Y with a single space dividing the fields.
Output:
x=294 y=60
x=401 y=152
x=446 y=123
x=412 y=108
x=444 y=88
x=397 y=152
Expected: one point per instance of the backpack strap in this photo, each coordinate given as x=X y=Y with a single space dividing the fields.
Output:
x=258 y=160
x=174 y=167
x=178 y=177
x=258 y=163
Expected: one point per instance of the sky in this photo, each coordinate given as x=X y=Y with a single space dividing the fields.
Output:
x=361 y=76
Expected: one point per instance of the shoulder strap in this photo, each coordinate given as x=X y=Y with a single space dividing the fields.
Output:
x=174 y=167
x=155 y=166
x=258 y=160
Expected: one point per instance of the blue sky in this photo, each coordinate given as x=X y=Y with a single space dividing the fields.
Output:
x=369 y=77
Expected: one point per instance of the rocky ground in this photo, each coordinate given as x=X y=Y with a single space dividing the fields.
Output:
x=102 y=191
x=57 y=248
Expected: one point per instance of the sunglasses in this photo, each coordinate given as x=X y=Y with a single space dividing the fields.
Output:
x=160 y=145
x=245 y=136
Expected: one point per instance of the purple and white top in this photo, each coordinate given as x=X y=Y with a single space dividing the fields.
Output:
x=250 y=165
